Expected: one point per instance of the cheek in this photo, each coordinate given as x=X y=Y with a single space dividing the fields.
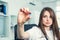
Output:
x=51 y=21
x=44 y=20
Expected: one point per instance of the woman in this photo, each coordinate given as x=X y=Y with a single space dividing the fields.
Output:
x=47 y=28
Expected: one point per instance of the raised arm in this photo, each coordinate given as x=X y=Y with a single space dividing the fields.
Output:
x=23 y=16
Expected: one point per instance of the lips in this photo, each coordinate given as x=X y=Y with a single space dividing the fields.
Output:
x=47 y=22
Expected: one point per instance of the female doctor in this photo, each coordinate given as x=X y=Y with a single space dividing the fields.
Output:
x=47 y=28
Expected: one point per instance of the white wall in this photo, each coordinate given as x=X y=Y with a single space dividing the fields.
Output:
x=15 y=5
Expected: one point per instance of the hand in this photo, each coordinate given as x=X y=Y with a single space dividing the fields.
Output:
x=23 y=15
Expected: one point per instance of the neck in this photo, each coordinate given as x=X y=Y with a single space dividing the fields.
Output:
x=47 y=28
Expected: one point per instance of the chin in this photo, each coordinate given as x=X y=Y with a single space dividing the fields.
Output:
x=47 y=25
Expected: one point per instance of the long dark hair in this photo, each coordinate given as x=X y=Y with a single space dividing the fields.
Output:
x=54 y=26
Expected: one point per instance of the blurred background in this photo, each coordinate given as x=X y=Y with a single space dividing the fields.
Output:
x=9 y=10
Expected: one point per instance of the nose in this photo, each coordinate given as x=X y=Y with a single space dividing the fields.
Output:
x=48 y=18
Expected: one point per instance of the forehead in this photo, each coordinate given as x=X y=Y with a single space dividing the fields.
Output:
x=46 y=13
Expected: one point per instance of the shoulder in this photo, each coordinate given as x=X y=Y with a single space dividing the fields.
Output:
x=34 y=30
x=35 y=33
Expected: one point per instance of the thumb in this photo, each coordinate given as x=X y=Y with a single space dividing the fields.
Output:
x=28 y=17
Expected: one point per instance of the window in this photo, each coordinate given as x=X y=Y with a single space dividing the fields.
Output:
x=58 y=12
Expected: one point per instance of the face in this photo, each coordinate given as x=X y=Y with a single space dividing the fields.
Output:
x=46 y=19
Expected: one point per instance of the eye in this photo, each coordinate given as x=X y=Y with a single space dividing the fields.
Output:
x=51 y=17
x=45 y=16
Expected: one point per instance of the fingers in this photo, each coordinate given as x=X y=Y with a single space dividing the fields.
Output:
x=27 y=18
x=25 y=10
x=23 y=15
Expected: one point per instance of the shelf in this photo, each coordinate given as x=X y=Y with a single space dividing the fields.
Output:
x=3 y=8
x=4 y=15
x=4 y=21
